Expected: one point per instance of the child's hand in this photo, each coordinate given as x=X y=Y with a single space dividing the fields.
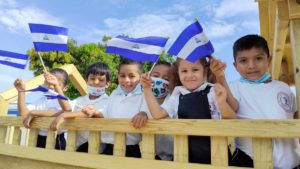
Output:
x=220 y=93
x=19 y=85
x=90 y=110
x=217 y=67
x=57 y=122
x=27 y=120
x=146 y=81
x=139 y=120
x=50 y=79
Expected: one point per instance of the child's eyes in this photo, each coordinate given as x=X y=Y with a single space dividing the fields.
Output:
x=195 y=70
x=183 y=71
x=243 y=61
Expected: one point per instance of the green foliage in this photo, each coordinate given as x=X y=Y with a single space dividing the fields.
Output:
x=82 y=56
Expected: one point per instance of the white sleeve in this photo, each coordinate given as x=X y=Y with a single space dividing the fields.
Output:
x=233 y=86
x=144 y=108
x=213 y=105
x=170 y=106
x=294 y=103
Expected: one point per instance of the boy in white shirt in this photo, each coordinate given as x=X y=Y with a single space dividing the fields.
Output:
x=257 y=96
x=97 y=76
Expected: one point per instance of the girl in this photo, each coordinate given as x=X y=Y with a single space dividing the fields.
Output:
x=192 y=98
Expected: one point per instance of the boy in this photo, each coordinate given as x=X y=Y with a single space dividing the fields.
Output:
x=97 y=77
x=257 y=96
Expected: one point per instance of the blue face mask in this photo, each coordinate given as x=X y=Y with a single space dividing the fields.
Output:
x=262 y=79
x=160 y=87
x=95 y=91
x=137 y=89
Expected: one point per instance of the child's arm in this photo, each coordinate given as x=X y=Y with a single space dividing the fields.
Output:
x=52 y=80
x=61 y=118
x=156 y=111
x=225 y=109
x=218 y=67
x=40 y=113
x=139 y=120
x=20 y=86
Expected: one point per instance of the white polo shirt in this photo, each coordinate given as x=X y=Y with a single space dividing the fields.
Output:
x=100 y=103
x=124 y=106
x=45 y=104
x=171 y=105
x=273 y=100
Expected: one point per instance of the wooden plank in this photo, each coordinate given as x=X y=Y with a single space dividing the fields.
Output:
x=181 y=148
x=280 y=35
x=219 y=151
x=32 y=140
x=295 y=43
x=10 y=133
x=51 y=139
x=272 y=14
x=94 y=142
x=148 y=148
x=3 y=131
x=4 y=105
x=294 y=9
x=77 y=80
x=226 y=128
x=120 y=144
x=95 y=160
x=262 y=153
x=17 y=136
x=71 y=141
x=263 y=7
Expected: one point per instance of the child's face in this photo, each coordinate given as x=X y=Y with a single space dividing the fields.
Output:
x=252 y=64
x=129 y=77
x=161 y=71
x=97 y=80
x=191 y=75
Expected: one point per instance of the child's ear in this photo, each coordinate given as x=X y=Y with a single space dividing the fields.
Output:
x=107 y=85
x=65 y=88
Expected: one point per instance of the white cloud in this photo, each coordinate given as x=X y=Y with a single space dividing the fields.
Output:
x=220 y=29
x=230 y=8
x=8 y=3
x=16 y=19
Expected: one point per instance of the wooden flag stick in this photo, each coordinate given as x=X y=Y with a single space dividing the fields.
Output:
x=42 y=62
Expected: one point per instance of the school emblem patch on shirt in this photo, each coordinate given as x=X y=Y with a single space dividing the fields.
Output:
x=284 y=101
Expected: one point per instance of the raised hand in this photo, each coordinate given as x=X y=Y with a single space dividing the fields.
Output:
x=146 y=81
x=220 y=93
x=217 y=67
x=19 y=85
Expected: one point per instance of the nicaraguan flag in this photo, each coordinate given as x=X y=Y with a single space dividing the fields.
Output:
x=48 y=92
x=13 y=59
x=49 y=38
x=138 y=49
x=192 y=44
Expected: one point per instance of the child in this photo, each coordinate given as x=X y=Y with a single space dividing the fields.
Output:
x=192 y=98
x=126 y=101
x=56 y=79
x=161 y=75
x=260 y=97
x=97 y=77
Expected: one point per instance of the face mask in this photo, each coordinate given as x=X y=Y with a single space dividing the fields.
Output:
x=95 y=91
x=262 y=79
x=160 y=87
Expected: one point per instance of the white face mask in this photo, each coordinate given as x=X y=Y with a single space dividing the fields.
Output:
x=95 y=91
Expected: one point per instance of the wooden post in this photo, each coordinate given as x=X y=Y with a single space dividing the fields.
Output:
x=262 y=153
x=71 y=141
x=32 y=140
x=219 y=151
x=51 y=139
x=120 y=144
x=148 y=149
x=295 y=43
x=181 y=153
x=94 y=142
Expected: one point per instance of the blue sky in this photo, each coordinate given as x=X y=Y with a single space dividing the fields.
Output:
x=89 y=20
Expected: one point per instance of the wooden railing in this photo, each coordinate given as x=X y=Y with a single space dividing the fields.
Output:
x=13 y=154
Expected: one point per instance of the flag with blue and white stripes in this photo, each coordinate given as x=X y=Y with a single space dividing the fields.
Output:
x=192 y=44
x=138 y=49
x=49 y=38
x=48 y=93
x=13 y=59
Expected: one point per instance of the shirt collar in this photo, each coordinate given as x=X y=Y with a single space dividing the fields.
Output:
x=182 y=90
x=136 y=90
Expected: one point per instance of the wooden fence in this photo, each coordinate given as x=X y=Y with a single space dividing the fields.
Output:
x=13 y=154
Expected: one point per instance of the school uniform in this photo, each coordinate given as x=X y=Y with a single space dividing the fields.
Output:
x=199 y=104
x=45 y=103
x=124 y=105
x=82 y=136
x=273 y=100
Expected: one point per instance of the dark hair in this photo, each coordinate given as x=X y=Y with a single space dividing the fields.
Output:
x=131 y=62
x=98 y=68
x=250 y=41
x=165 y=63
x=203 y=61
x=62 y=73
